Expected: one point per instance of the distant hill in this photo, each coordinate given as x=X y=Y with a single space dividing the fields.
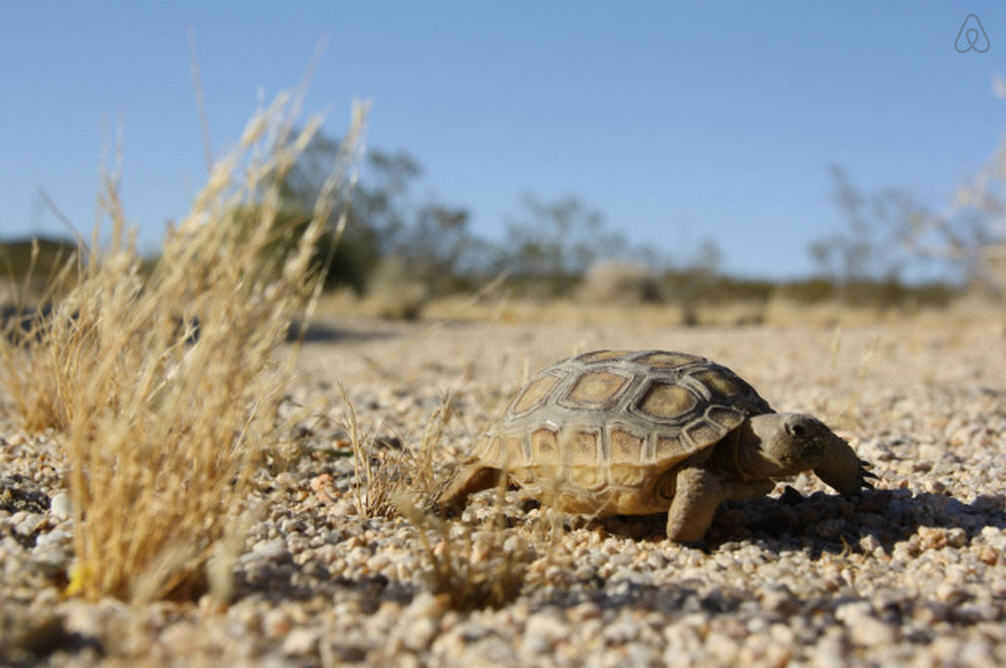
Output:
x=16 y=263
x=15 y=256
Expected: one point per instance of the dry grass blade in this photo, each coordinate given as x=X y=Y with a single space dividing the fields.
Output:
x=424 y=482
x=163 y=387
x=25 y=323
x=381 y=478
x=377 y=477
x=473 y=568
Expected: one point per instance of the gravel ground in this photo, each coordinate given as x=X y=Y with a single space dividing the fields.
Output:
x=911 y=573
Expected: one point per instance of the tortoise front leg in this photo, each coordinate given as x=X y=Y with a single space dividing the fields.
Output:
x=697 y=495
x=470 y=478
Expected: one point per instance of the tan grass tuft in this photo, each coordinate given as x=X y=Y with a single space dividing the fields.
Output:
x=474 y=568
x=377 y=476
x=381 y=479
x=162 y=387
x=424 y=483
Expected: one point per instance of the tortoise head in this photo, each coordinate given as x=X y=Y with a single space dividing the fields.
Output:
x=783 y=444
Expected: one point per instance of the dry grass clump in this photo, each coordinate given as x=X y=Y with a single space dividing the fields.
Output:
x=26 y=317
x=424 y=483
x=163 y=387
x=383 y=480
x=474 y=568
x=377 y=476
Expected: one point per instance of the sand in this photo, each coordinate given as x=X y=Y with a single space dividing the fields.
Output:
x=912 y=572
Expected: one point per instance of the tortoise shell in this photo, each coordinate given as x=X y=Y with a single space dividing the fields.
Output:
x=595 y=432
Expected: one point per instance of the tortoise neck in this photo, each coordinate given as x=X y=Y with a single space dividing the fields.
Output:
x=725 y=458
x=738 y=456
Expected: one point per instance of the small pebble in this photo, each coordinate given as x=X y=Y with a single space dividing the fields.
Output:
x=60 y=506
x=300 y=642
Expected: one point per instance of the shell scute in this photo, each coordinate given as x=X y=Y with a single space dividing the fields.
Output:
x=727 y=417
x=544 y=446
x=721 y=385
x=589 y=477
x=701 y=432
x=584 y=448
x=663 y=359
x=533 y=394
x=513 y=454
x=602 y=355
x=625 y=446
x=671 y=448
x=597 y=389
x=665 y=401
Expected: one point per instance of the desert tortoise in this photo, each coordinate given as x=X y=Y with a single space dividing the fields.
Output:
x=622 y=432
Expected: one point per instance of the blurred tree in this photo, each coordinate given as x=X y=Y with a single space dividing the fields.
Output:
x=437 y=246
x=382 y=199
x=890 y=229
x=867 y=248
x=695 y=279
x=550 y=245
x=970 y=233
x=382 y=220
x=359 y=247
x=37 y=269
x=708 y=259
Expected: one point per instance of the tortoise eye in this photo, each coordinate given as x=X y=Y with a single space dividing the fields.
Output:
x=797 y=430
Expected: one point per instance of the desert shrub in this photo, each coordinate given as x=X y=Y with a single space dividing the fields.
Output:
x=385 y=479
x=888 y=293
x=163 y=429
x=40 y=258
x=395 y=291
x=613 y=281
x=34 y=271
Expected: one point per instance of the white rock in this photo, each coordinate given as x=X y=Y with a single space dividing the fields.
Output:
x=60 y=506
x=870 y=544
x=272 y=550
x=301 y=641
x=994 y=537
x=957 y=537
x=54 y=539
x=25 y=524
x=870 y=631
x=419 y=633
x=831 y=652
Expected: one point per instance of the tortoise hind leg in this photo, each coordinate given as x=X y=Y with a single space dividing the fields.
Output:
x=467 y=480
x=697 y=495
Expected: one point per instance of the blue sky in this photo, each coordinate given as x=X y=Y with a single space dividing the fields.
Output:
x=678 y=120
